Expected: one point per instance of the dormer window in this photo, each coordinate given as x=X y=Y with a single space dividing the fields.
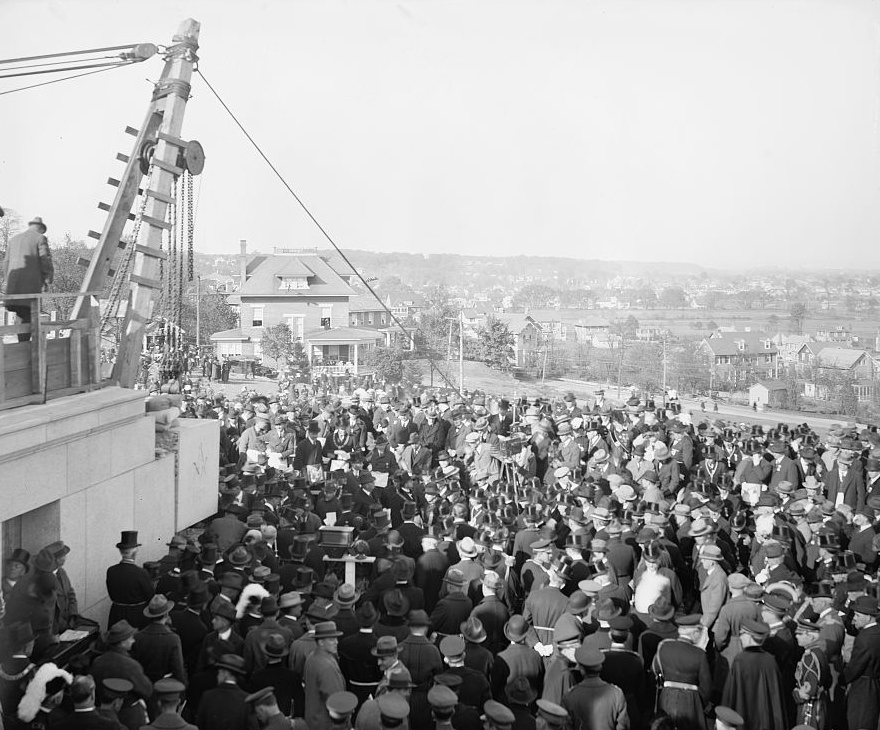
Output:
x=741 y=345
x=289 y=283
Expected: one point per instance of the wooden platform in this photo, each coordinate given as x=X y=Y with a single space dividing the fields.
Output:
x=60 y=358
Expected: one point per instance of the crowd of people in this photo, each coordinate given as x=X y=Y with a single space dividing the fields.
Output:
x=459 y=561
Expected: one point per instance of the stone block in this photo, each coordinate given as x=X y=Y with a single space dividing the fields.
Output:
x=89 y=460
x=41 y=526
x=198 y=455
x=74 y=526
x=67 y=424
x=154 y=507
x=109 y=509
x=33 y=480
x=133 y=445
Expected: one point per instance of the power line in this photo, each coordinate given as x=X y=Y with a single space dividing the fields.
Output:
x=67 y=53
x=321 y=228
x=64 y=78
x=59 y=70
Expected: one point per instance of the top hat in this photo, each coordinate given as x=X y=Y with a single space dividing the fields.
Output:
x=128 y=540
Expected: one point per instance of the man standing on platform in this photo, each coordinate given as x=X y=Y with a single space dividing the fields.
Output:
x=29 y=269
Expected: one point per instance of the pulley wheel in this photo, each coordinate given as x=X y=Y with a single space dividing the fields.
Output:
x=194 y=157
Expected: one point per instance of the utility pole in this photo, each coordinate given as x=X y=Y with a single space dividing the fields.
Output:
x=461 y=350
x=198 y=312
x=664 y=370
x=449 y=342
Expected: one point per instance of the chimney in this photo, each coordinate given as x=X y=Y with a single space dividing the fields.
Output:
x=242 y=263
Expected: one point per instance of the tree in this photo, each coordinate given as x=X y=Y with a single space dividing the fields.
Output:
x=393 y=364
x=277 y=343
x=496 y=344
x=215 y=316
x=772 y=323
x=711 y=325
x=797 y=312
x=9 y=226
x=673 y=297
x=69 y=275
x=534 y=296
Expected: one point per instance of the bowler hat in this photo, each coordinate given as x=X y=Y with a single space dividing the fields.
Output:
x=516 y=628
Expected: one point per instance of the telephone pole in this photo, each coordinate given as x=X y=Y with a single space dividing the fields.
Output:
x=461 y=350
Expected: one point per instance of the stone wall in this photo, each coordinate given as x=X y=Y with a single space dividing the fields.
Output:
x=84 y=468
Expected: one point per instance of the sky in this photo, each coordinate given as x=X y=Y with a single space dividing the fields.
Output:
x=726 y=133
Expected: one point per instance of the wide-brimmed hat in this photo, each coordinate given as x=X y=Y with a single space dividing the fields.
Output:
x=326 y=630
x=231 y=662
x=396 y=603
x=386 y=646
x=19 y=555
x=120 y=631
x=346 y=595
x=467 y=548
x=37 y=221
x=701 y=526
x=455 y=577
x=239 y=555
x=275 y=645
x=519 y=691
x=661 y=609
x=516 y=628
x=158 y=606
x=472 y=630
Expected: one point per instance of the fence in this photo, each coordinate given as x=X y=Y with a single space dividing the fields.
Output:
x=45 y=359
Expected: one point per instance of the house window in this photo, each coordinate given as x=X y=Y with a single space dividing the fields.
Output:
x=257 y=316
x=229 y=349
x=296 y=322
x=289 y=283
x=370 y=318
x=325 y=317
x=384 y=318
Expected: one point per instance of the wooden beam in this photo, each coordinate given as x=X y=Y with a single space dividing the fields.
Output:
x=145 y=282
x=116 y=183
x=106 y=206
x=122 y=157
x=156 y=222
x=154 y=252
x=168 y=166
x=167 y=199
x=171 y=139
x=132 y=131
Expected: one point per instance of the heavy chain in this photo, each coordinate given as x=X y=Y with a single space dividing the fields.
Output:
x=123 y=270
x=189 y=222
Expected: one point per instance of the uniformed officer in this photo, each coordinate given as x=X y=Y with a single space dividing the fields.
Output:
x=265 y=706
x=393 y=710
x=727 y=719
x=442 y=701
x=496 y=716
x=551 y=716
x=168 y=693
x=340 y=706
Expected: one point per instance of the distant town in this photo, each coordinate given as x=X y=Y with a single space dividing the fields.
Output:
x=771 y=339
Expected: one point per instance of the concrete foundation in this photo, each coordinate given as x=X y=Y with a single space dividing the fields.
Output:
x=83 y=468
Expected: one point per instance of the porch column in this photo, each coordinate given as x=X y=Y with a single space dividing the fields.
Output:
x=355 y=361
